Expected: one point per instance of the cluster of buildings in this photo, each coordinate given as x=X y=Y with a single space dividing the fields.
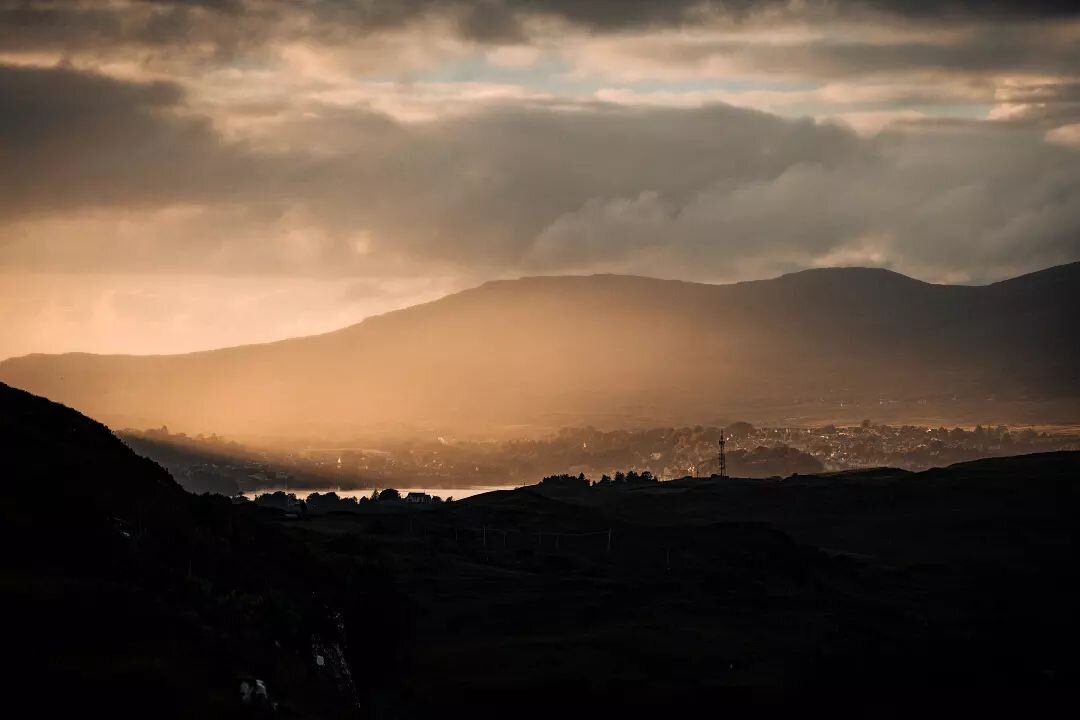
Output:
x=667 y=453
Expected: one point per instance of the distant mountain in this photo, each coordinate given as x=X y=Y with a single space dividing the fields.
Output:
x=828 y=344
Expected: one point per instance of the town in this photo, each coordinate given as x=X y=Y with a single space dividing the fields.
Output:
x=214 y=464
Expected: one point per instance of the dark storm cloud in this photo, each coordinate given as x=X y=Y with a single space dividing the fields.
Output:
x=618 y=14
x=1008 y=9
x=234 y=24
x=73 y=139
x=79 y=25
x=706 y=193
x=183 y=38
x=520 y=168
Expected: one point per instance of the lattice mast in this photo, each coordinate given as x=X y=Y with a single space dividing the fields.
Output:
x=723 y=457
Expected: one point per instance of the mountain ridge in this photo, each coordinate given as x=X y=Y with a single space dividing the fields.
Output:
x=562 y=349
x=848 y=270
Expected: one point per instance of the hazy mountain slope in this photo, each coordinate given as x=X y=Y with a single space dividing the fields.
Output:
x=612 y=349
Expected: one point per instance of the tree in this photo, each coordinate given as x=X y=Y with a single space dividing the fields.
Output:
x=566 y=481
x=325 y=502
x=280 y=500
x=389 y=494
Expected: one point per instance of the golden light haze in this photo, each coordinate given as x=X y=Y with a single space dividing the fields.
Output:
x=166 y=313
x=529 y=355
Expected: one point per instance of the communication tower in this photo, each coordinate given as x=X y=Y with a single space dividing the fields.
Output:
x=723 y=457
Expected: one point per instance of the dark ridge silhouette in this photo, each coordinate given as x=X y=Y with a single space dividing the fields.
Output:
x=128 y=596
x=138 y=599
x=829 y=344
x=879 y=587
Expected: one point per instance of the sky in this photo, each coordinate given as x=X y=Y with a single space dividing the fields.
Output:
x=181 y=175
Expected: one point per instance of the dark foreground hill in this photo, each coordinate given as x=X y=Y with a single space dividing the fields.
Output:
x=882 y=588
x=127 y=597
x=820 y=345
x=879 y=588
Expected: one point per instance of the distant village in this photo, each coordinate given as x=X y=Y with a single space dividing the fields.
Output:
x=214 y=464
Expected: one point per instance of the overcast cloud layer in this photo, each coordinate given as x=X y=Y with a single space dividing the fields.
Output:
x=182 y=175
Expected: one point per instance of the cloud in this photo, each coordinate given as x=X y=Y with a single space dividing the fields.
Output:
x=713 y=192
x=74 y=140
x=224 y=28
x=1065 y=135
x=943 y=203
x=228 y=56
x=855 y=49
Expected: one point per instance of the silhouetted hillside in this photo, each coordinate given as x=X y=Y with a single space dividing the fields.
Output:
x=131 y=597
x=879 y=586
x=141 y=600
x=615 y=350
